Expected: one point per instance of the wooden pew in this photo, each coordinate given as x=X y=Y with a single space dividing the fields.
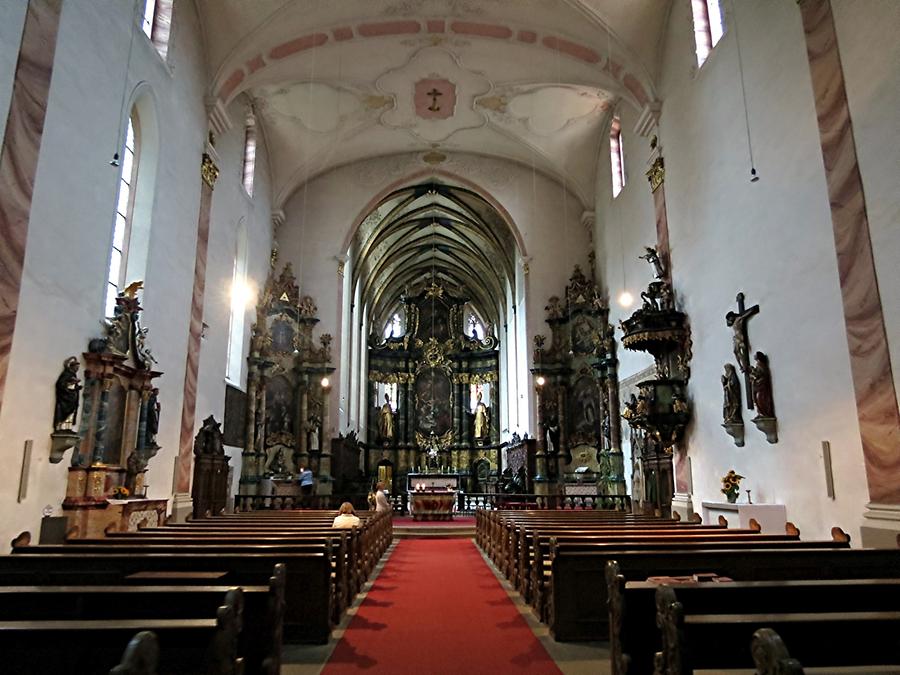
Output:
x=308 y=584
x=335 y=546
x=260 y=610
x=634 y=638
x=740 y=564
x=93 y=646
x=836 y=636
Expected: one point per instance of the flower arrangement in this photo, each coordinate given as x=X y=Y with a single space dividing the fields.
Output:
x=120 y=492
x=731 y=485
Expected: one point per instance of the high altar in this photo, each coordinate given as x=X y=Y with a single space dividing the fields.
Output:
x=433 y=397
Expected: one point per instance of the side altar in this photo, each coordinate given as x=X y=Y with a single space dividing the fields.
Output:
x=433 y=395
x=116 y=439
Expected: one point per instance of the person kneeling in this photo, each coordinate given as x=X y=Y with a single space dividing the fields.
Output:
x=346 y=518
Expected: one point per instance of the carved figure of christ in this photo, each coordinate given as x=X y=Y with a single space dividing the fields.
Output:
x=741 y=343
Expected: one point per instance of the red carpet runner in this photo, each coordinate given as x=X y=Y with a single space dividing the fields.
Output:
x=437 y=609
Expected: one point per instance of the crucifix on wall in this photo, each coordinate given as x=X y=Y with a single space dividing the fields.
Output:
x=741 y=343
x=434 y=93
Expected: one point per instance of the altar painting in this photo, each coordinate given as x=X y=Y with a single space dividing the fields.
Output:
x=585 y=406
x=433 y=409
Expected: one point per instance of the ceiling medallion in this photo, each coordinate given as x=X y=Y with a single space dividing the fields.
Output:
x=434 y=291
x=435 y=98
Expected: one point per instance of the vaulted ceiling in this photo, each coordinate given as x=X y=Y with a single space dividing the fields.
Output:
x=337 y=81
x=434 y=233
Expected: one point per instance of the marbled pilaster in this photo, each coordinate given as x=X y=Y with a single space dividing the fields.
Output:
x=19 y=158
x=870 y=365
x=191 y=371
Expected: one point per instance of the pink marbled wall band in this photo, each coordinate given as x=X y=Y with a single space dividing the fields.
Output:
x=873 y=382
x=19 y=158
x=192 y=368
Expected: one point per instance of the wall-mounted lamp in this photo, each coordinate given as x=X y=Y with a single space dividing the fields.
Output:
x=540 y=381
x=325 y=383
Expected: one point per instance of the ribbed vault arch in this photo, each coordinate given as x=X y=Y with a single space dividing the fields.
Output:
x=434 y=230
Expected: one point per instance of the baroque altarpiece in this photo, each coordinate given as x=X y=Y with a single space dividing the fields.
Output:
x=439 y=419
x=117 y=436
x=578 y=446
x=287 y=390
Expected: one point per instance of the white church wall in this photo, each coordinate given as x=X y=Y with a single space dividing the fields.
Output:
x=870 y=55
x=320 y=216
x=62 y=293
x=12 y=22
x=773 y=241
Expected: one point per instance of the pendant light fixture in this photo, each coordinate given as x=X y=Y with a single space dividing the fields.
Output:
x=115 y=158
x=753 y=175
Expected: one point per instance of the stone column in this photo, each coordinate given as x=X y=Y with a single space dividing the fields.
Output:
x=616 y=458
x=19 y=157
x=99 y=455
x=870 y=364
x=541 y=481
x=302 y=422
x=142 y=420
x=325 y=428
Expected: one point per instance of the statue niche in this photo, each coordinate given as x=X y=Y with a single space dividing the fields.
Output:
x=432 y=392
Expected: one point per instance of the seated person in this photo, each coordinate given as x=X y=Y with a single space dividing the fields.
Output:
x=346 y=518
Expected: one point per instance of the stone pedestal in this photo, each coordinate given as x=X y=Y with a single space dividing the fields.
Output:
x=683 y=505
x=881 y=526
x=182 y=507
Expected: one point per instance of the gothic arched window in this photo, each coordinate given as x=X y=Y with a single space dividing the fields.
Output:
x=156 y=22
x=128 y=170
x=616 y=157
x=709 y=26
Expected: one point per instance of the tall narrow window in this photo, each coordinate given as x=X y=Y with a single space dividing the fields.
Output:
x=241 y=295
x=156 y=22
x=709 y=26
x=124 y=214
x=616 y=157
x=249 y=155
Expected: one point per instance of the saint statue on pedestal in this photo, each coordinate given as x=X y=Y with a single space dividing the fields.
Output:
x=482 y=421
x=386 y=420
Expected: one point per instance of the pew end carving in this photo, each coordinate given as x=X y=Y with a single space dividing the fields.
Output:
x=770 y=655
x=140 y=656
x=837 y=534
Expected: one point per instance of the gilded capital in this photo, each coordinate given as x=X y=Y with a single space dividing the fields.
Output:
x=657 y=174
x=209 y=171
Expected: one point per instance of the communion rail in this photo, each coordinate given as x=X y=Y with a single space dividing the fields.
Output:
x=467 y=502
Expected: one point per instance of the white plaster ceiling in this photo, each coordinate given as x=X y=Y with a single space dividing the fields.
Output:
x=339 y=81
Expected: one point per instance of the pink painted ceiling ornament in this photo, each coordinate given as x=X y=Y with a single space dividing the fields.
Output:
x=434 y=99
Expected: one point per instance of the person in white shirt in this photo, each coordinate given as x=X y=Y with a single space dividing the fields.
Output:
x=382 y=505
x=346 y=519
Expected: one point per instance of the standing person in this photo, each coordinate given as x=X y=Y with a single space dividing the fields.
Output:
x=305 y=478
x=346 y=519
x=382 y=505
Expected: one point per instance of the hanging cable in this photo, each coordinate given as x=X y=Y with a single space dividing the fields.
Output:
x=115 y=158
x=753 y=175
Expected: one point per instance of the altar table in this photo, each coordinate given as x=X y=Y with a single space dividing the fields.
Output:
x=432 y=505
